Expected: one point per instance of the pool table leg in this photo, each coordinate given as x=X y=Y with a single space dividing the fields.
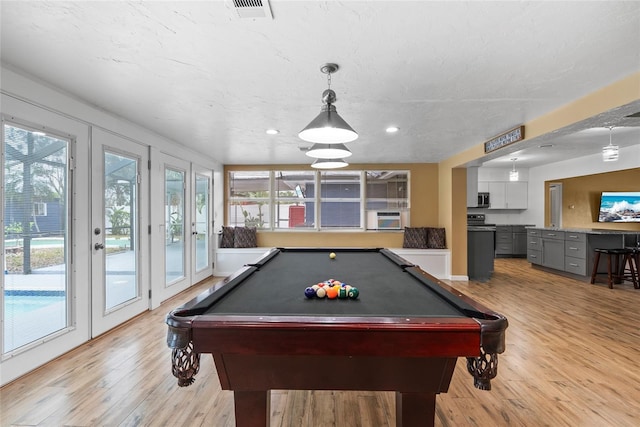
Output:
x=252 y=408
x=415 y=409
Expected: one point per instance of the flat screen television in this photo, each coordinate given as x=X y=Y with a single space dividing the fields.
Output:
x=619 y=206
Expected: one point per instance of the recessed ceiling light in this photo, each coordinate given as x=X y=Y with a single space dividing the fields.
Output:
x=273 y=131
x=392 y=129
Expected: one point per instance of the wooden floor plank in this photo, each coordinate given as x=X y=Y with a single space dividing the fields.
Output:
x=571 y=360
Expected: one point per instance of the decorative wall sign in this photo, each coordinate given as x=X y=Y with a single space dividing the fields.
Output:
x=502 y=140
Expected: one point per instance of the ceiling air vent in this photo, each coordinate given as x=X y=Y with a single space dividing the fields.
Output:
x=251 y=9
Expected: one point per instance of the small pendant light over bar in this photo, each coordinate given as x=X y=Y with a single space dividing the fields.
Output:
x=513 y=174
x=328 y=151
x=610 y=152
x=329 y=164
x=328 y=127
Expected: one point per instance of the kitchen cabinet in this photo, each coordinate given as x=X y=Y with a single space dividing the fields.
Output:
x=504 y=240
x=575 y=253
x=516 y=195
x=498 y=195
x=506 y=195
x=570 y=251
x=519 y=241
x=546 y=248
x=534 y=246
x=553 y=249
x=472 y=187
x=511 y=241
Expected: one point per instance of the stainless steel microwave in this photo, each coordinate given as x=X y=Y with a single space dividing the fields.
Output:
x=483 y=200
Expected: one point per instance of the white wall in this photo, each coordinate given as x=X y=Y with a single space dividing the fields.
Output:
x=588 y=165
x=536 y=177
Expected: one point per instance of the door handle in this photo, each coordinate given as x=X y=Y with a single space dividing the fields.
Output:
x=98 y=246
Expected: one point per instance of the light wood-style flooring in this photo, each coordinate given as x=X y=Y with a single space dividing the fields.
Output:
x=572 y=359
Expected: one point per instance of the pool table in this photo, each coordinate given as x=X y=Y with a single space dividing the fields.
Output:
x=403 y=333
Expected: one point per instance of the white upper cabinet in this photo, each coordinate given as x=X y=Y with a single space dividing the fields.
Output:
x=506 y=195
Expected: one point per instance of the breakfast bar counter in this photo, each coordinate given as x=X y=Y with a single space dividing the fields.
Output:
x=570 y=251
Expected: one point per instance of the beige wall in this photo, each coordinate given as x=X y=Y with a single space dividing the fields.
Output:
x=581 y=198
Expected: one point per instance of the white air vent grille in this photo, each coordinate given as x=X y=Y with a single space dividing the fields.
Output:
x=252 y=9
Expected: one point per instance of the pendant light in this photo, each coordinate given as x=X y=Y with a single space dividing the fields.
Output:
x=328 y=127
x=513 y=174
x=328 y=151
x=329 y=164
x=610 y=152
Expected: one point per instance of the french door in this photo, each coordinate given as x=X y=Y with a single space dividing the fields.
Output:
x=170 y=221
x=120 y=243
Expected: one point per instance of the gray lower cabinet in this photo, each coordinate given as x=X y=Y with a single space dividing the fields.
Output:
x=546 y=248
x=504 y=240
x=569 y=251
x=520 y=241
x=575 y=253
x=511 y=241
x=553 y=249
x=534 y=246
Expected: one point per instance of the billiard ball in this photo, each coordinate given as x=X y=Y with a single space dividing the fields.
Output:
x=332 y=255
x=342 y=293
x=353 y=293
x=321 y=293
x=332 y=293
x=310 y=292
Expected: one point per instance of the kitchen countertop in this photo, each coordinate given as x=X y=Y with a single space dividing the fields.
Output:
x=587 y=230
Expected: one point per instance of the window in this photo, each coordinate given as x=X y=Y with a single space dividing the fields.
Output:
x=39 y=209
x=340 y=199
x=294 y=199
x=249 y=199
x=174 y=183
x=280 y=200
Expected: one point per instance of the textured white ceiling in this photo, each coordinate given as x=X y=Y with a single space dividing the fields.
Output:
x=450 y=74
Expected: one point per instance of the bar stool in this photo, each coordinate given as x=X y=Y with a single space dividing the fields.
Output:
x=629 y=268
x=616 y=261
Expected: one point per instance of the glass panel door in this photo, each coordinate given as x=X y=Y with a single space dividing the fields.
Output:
x=36 y=297
x=119 y=280
x=171 y=216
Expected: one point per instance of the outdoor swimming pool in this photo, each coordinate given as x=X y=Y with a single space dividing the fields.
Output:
x=32 y=315
x=24 y=303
